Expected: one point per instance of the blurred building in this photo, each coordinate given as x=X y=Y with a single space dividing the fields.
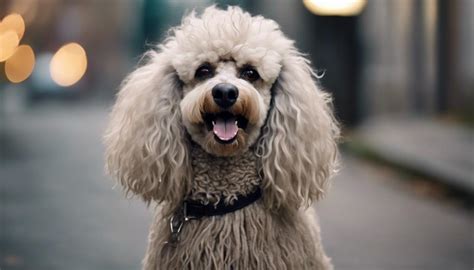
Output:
x=418 y=57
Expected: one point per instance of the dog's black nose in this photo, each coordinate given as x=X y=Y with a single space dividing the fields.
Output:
x=225 y=94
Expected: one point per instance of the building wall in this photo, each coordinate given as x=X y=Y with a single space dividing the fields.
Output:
x=464 y=100
x=418 y=59
x=399 y=67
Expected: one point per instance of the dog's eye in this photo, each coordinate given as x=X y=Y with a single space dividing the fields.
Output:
x=204 y=71
x=249 y=74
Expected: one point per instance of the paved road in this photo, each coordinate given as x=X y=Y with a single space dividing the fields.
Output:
x=59 y=211
x=373 y=220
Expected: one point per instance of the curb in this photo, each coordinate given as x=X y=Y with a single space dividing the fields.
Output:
x=364 y=150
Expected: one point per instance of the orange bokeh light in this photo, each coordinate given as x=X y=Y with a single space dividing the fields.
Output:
x=68 y=64
x=335 y=7
x=20 y=65
x=8 y=43
x=13 y=22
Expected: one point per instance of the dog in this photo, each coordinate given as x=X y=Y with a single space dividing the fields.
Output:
x=224 y=128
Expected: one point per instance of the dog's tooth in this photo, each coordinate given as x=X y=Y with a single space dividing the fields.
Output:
x=213 y=123
x=236 y=122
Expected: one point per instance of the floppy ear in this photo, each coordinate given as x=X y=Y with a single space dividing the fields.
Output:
x=298 y=146
x=146 y=148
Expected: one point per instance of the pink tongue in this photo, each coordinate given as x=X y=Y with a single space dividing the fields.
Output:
x=225 y=129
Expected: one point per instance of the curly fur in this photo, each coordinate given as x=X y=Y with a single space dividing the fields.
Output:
x=158 y=148
x=298 y=145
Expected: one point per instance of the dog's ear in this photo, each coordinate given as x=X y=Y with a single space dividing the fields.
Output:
x=298 y=146
x=146 y=149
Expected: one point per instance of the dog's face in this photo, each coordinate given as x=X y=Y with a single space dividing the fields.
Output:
x=224 y=106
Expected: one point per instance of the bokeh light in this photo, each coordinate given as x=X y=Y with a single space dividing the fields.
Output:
x=68 y=64
x=335 y=7
x=20 y=65
x=8 y=43
x=13 y=22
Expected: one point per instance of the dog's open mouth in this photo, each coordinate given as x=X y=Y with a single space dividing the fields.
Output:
x=225 y=125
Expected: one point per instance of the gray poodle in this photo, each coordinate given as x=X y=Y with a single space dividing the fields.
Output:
x=226 y=130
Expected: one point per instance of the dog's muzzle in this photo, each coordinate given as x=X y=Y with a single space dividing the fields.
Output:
x=225 y=123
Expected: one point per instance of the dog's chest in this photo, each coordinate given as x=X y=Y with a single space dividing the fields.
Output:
x=217 y=178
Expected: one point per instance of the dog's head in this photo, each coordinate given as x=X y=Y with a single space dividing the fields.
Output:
x=226 y=81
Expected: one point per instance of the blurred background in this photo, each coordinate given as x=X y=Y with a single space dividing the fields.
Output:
x=401 y=74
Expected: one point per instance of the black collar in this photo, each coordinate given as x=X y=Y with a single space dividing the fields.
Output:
x=195 y=209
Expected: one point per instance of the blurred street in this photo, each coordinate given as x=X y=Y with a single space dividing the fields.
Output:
x=59 y=211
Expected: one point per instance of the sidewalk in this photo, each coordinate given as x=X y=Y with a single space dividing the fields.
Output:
x=437 y=150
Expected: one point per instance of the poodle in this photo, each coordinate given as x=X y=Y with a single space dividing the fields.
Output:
x=225 y=129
